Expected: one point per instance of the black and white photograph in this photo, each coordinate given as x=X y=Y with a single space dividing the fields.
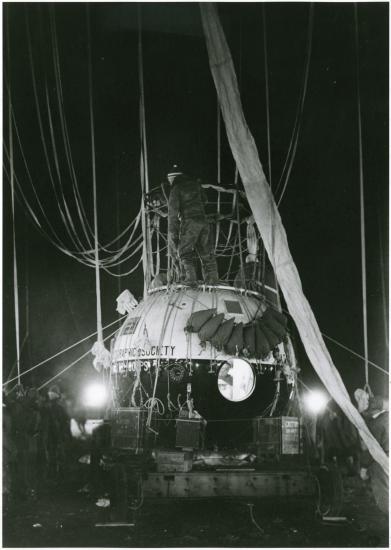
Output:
x=195 y=254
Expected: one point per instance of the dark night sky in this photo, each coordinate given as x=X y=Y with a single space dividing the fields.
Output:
x=320 y=210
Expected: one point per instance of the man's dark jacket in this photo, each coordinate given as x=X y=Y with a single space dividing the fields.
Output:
x=186 y=202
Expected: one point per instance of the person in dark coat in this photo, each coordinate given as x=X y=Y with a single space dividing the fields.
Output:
x=378 y=423
x=32 y=427
x=20 y=436
x=189 y=229
x=58 y=433
x=9 y=453
x=338 y=438
x=42 y=436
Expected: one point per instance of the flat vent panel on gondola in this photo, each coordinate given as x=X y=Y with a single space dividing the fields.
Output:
x=233 y=307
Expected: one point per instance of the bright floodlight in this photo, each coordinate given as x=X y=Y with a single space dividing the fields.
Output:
x=315 y=401
x=95 y=395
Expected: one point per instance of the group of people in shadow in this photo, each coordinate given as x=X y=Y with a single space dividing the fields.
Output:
x=338 y=441
x=37 y=441
x=38 y=444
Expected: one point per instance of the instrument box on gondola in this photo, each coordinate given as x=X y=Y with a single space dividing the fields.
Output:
x=189 y=433
x=128 y=429
x=277 y=437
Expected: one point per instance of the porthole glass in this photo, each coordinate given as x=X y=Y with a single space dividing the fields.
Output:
x=236 y=380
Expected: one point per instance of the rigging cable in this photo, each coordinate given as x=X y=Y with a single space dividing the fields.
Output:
x=58 y=88
x=23 y=200
x=127 y=272
x=62 y=351
x=15 y=363
x=362 y=211
x=68 y=151
x=346 y=348
x=11 y=149
x=83 y=258
x=72 y=364
x=269 y=150
x=218 y=143
x=68 y=218
x=97 y=273
x=143 y=162
x=40 y=123
x=239 y=85
x=265 y=56
x=269 y=153
x=27 y=295
x=68 y=226
x=383 y=286
x=117 y=203
x=55 y=240
x=218 y=129
x=228 y=237
x=299 y=114
x=355 y=353
x=157 y=226
x=167 y=315
x=242 y=270
x=61 y=246
x=32 y=184
x=226 y=277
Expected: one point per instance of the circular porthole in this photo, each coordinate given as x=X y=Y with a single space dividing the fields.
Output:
x=236 y=380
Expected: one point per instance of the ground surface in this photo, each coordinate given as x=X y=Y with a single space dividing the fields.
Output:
x=62 y=516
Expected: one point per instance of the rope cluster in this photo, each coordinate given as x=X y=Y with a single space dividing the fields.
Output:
x=78 y=235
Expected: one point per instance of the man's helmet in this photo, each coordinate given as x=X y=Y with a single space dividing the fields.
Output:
x=173 y=173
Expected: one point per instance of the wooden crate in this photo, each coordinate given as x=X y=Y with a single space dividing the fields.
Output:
x=277 y=437
x=174 y=461
x=128 y=428
x=290 y=435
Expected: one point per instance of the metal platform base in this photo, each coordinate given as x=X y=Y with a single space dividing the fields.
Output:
x=229 y=484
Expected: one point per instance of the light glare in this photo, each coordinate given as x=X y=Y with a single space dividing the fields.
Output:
x=95 y=395
x=315 y=401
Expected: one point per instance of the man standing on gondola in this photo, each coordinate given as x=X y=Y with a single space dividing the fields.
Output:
x=189 y=229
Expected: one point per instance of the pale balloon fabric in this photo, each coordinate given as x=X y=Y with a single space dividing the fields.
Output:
x=270 y=226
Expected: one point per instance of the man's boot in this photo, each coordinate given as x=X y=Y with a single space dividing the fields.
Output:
x=190 y=274
x=211 y=275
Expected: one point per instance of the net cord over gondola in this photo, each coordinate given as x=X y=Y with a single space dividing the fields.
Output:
x=15 y=265
x=362 y=206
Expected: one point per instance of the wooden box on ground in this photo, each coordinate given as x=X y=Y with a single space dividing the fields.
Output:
x=275 y=438
x=174 y=461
